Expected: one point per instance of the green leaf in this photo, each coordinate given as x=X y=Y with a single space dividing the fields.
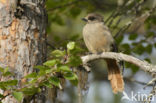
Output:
x=119 y=39
x=6 y=70
x=31 y=75
x=18 y=96
x=133 y=36
x=47 y=84
x=133 y=67
x=71 y=45
x=2 y=86
x=55 y=81
x=33 y=81
x=70 y=76
x=5 y=84
x=74 y=82
x=75 y=61
x=30 y=91
x=76 y=51
x=2 y=70
x=49 y=70
x=40 y=67
x=41 y=73
x=7 y=74
x=10 y=82
x=50 y=63
x=64 y=69
x=139 y=49
x=58 y=53
x=126 y=46
x=149 y=48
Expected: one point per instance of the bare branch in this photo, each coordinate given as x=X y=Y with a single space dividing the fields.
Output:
x=145 y=66
x=136 y=81
x=127 y=25
x=151 y=95
x=152 y=82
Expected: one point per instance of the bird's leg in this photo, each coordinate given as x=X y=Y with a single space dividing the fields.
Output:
x=89 y=53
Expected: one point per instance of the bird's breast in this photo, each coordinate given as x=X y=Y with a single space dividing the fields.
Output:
x=97 y=38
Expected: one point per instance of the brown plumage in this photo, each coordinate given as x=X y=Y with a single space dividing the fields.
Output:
x=114 y=76
x=98 y=39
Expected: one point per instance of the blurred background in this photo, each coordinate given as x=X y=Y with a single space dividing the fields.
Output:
x=133 y=25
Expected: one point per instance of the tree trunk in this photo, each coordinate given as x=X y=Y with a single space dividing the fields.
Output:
x=22 y=37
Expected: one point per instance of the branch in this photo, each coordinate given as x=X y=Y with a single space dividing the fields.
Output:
x=123 y=10
x=127 y=25
x=145 y=66
x=48 y=44
x=138 y=82
x=151 y=95
x=152 y=82
x=28 y=3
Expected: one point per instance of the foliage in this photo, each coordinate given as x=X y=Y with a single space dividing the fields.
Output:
x=49 y=74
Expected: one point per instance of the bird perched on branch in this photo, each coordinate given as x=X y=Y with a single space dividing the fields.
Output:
x=98 y=39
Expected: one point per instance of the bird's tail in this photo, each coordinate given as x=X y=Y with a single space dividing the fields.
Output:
x=115 y=76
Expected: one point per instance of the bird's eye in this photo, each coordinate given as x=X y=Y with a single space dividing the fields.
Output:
x=91 y=18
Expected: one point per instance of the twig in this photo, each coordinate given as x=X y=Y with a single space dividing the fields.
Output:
x=145 y=66
x=48 y=44
x=112 y=15
x=120 y=10
x=136 y=81
x=115 y=13
x=151 y=95
x=79 y=94
x=124 y=28
x=87 y=68
x=151 y=82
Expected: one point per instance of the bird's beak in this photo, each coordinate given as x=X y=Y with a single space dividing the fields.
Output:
x=84 y=19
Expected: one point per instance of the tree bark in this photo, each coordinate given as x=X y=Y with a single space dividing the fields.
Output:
x=22 y=37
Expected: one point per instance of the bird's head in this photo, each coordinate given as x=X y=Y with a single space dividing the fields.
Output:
x=93 y=18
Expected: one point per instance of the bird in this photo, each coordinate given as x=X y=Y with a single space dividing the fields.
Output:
x=98 y=39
